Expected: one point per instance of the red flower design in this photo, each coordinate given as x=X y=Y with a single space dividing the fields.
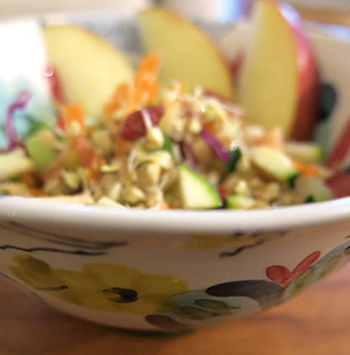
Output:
x=283 y=276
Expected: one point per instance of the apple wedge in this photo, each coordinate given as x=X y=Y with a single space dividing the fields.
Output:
x=88 y=69
x=278 y=80
x=189 y=55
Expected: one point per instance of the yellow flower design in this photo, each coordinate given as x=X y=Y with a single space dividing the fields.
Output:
x=105 y=287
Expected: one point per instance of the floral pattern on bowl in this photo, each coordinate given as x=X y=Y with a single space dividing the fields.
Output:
x=175 y=281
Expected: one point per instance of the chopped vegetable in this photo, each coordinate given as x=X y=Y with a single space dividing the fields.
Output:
x=274 y=163
x=73 y=118
x=217 y=147
x=235 y=155
x=239 y=202
x=196 y=192
x=13 y=164
x=20 y=103
x=305 y=152
x=42 y=154
x=307 y=186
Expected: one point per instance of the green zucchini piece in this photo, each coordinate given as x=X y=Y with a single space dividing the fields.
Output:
x=41 y=154
x=274 y=163
x=12 y=165
x=37 y=127
x=239 y=202
x=307 y=186
x=195 y=191
x=309 y=199
x=235 y=155
x=306 y=152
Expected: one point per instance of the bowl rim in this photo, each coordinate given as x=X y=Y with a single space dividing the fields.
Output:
x=173 y=221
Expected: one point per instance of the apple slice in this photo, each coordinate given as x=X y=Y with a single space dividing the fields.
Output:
x=189 y=55
x=88 y=68
x=278 y=82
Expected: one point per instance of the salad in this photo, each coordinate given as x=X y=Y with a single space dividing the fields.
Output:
x=161 y=149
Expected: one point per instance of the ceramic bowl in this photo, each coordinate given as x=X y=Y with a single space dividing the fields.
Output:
x=179 y=270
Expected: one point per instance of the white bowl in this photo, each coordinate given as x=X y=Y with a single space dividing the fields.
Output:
x=178 y=270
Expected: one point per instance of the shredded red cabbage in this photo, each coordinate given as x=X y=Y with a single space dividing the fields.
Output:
x=20 y=103
x=216 y=146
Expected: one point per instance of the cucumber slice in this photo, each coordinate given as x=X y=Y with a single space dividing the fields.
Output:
x=41 y=154
x=12 y=164
x=307 y=186
x=275 y=163
x=239 y=202
x=235 y=155
x=195 y=191
x=310 y=199
x=306 y=152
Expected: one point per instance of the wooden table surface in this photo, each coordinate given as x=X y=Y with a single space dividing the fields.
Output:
x=315 y=322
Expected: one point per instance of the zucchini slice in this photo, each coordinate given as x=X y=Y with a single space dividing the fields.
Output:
x=239 y=202
x=41 y=153
x=196 y=192
x=274 y=163
x=306 y=152
x=312 y=189
x=13 y=164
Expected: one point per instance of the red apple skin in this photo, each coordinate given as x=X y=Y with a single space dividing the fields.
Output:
x=339 y=184
x=307 y=110
x=309 y=82
x=235 y=65
x=341 y=148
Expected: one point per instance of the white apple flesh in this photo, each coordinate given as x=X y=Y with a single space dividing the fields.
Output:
x=278 y=81
x=88 y=69
x=189 y=55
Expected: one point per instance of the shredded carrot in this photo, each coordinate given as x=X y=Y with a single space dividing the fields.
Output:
x=308 y=170
x=273 y=139
x=29 y=179
x=210 y=127
x=143 y=89
x=36 y=192
x=87 y=155
x=164 y=206
x=121 y=145
x=73 y=114
x=118 y=100
x=145 y=84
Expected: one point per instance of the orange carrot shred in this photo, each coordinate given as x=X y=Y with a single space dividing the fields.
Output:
x=210 y=127
x=307 y=170
x=73 y=113
x=36 y=192
x=273 y=139
x=121 y=146
x=119 y=98
x=145 y=83
x=142 y=90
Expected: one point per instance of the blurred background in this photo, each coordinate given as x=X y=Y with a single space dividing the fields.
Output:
x=329 y=11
